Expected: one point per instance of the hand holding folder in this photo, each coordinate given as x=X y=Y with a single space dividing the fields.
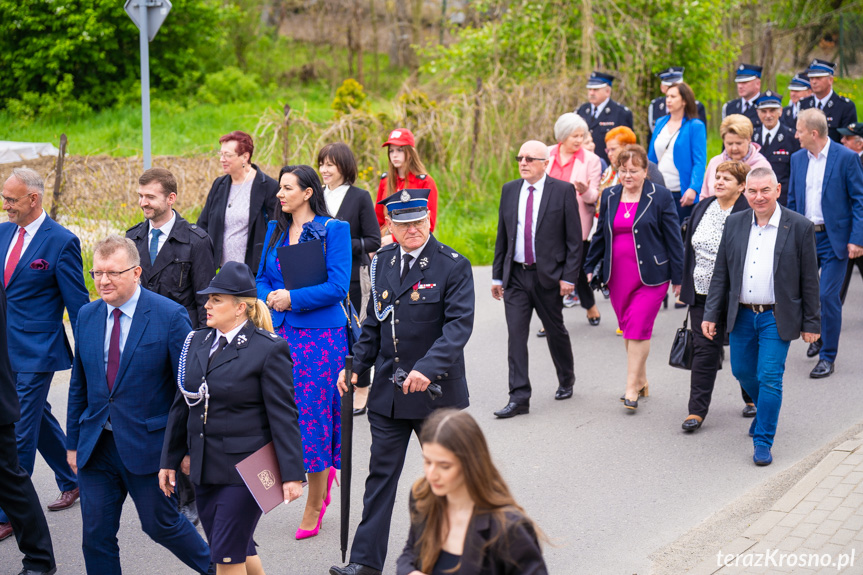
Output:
x=303 y=265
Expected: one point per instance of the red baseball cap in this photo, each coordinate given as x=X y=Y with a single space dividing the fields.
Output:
x=400 y=137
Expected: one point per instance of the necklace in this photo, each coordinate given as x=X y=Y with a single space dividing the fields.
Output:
x=240 y=189
x=627 y=211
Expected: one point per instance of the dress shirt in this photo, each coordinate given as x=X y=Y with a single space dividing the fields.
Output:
x=165 y=229
x=772 y=133
x=815 y=184
x=236 y=223
x=757 y=285
x=746 y=104
x=522 y=206
x=705 y=244
x=415 y=254
x=29 y=231
x=663 y=146
x=795 y=109
x=334 y=198
x=597 y=110
x=823 y=101
x=128 y=311
x=228 y=336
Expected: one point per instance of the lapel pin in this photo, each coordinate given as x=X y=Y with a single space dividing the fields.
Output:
x=424 y=262
x=393 y=261
x=241 y=339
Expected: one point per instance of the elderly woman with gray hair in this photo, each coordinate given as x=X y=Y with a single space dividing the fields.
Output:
x=570 y=160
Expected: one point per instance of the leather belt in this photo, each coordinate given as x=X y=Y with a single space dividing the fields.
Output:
x=820 y=227
x=757 y=307
x=527 y=266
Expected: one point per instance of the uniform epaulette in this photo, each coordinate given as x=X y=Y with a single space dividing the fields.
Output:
x=423 y=176
x=384 y=175
x=846 y=99
x=198 y=231
x=449 y=251
x=387 y=247
x=625 y=108
x=269 y=334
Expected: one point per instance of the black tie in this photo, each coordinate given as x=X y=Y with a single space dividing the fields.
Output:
x=820 y=105
x=406 y=266
x=767 y=140
x=223 y=341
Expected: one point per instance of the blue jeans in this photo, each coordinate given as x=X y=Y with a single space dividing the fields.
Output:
x=758 y=362
x=833 y=272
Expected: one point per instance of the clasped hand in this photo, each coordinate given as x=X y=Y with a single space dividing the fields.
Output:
x=279 y=300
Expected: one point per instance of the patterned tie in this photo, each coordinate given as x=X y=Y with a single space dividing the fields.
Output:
x=14 y=257
x=223 y=341
x=114 y=351
x=154 y=245
x=528 y=227
x=406 y=266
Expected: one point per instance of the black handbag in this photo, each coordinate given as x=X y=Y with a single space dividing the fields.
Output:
x=681 y=348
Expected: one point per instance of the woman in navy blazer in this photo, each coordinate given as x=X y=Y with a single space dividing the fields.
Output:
x=638 y=243
x=687 y=136
x=312 y=319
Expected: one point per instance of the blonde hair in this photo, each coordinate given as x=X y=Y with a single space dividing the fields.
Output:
x=736 y=124
x=257 y=312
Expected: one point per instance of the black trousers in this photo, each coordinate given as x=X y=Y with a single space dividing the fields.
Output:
x=390 y=439
x=851 y=263
x=582 y=288
x=19 y=500
x=185 y=490
x=356 y=293
x=521 y=297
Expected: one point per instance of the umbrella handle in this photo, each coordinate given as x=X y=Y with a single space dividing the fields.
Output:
x=349 y=372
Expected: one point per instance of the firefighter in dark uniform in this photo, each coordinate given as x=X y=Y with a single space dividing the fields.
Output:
x=777 y=140
x=748 y=80
x=852 y=138
x=840 y=111
x=798 y=88
x=420 y=317
x=668 y=77
x=601 y=112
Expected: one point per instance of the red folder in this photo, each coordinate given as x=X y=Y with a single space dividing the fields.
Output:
x=260 y=472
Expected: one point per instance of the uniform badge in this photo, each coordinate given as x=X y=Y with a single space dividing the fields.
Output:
x=661 y=106
x=393 y=261
x=241 y=338
x=455 y=255
x=780 y=137
x=830 y=104
x=405 y=197
x=608 y=110
x=272 y=335
x=379 y=306
x=208 y=336
x=415 y=295
x=424 y=262
x=386 y=294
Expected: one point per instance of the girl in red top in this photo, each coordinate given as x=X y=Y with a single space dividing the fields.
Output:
x=409 y=173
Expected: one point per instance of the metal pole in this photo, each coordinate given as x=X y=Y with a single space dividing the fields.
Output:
x=145 y=81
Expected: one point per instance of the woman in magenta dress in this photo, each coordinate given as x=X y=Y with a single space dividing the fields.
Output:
x=637 y=250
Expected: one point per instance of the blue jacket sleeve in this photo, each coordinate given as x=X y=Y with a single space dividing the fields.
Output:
x=854 y=185
x=338 y=258
x=791 y=201
x=77 y=401
x=698 y=147
x=262 y=282
x=70 y=279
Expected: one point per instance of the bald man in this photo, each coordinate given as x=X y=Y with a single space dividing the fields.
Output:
x=537 y=256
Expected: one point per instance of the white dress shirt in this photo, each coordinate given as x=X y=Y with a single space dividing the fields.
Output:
x=757 y=285
x=823 y=101
x=334 y=198
x=165 y=229
x=815 y=184
x=127 y=313
x=745 y=104
x=29 y=231
x=415 y=253
x=765 y=132
x=595 y=111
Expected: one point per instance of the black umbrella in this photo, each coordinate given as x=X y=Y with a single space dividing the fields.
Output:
x=347 y=451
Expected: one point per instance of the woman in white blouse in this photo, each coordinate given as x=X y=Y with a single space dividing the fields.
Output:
x=701 y=244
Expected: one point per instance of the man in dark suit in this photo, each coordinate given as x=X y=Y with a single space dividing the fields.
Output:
x=777 y=140
x=840 y=111
x=827 y=187
x=420 y=317
x=176 y=256
x=852 y=138
x=668 y=78
x=766 y=277
x=748 y=80
x=601 y=112
x=536 y=258
x=127 y=348
x=798 y=88
x=18 y=497
x=176 y=262
x=43 y=276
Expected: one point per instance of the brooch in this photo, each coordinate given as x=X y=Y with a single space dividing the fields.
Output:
x=424 y=262
x=241 y=339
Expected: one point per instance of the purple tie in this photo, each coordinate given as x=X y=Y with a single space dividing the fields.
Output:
x=528 y=228
x=114 y=350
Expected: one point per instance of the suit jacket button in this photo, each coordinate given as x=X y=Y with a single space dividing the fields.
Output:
x=636 y=231
x=397 y=302
x=638 y=246
x=439 y=377
x=446 y=374
x=110 y=400
x=202 y=417
x=202 y=435
x=396 y=322
x=640 y=262
x=396 y=360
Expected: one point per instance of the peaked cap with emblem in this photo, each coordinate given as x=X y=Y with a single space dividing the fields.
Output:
x=747 y=72
x=407 y=205
x=769 y=99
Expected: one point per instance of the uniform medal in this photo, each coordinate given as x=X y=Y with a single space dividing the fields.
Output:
x=415 y=295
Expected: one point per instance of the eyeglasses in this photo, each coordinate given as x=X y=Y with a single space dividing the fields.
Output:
x=629 y=172
x=528 y=159
x=97 y=275
x=13 y=200
x=403 y=226
x=227 y=155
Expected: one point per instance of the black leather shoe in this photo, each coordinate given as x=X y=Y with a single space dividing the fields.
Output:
x=563 y=393
x=749 y=410
x=511 y=410
x=191 y=513
x=814 y=348
x=541 y=332
x=360 y=411
x=353 y=569
x=594 y=321
x=822 y=369
x=31 y=572
x=691 y=424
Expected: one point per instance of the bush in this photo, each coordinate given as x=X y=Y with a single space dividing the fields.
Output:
x=228 y=85
x=350 y=96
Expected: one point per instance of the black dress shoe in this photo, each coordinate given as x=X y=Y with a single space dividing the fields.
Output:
x=814 y=348
x=190 y=511
x=512 y=409
x=749 y=410
x=31 y=572
x=353 y=569
x=541 y=332
x=563 y=392
x=691 y=424
x=360 y=411
x=594 y=321
x=822 y=369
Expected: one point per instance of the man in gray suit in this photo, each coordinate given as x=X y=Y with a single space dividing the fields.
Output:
x=766 y=277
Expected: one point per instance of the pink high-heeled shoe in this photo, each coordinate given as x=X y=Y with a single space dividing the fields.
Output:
x=305 y=533
x=332 y=476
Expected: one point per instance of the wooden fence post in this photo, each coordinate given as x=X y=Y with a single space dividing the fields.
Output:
x=477 y=113
x=58 y=177
x=285 y=133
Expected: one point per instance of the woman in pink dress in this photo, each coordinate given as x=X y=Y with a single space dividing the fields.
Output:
x=636 y=250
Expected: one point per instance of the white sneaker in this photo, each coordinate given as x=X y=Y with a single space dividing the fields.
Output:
x=570 y=300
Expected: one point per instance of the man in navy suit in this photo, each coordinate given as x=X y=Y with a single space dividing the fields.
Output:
x=43 y=275
x=777 y=140
x=748 y=81
x=827 y=187
x=839 y=110
x=601 y=112
x=127 y=348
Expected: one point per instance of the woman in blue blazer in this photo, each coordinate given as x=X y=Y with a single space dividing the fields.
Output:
x=685 y=136
x=312 y=319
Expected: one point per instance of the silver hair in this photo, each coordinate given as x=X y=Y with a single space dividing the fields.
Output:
x=759 y=173
x=567 y=124
x=31 y=180
x=112 y=243
x=813 y=119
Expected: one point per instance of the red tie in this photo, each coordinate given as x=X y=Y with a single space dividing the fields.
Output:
x=114 y=350
x=528 y=227
x=14 y=257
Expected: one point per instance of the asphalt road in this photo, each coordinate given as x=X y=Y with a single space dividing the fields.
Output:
x=608 y=487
